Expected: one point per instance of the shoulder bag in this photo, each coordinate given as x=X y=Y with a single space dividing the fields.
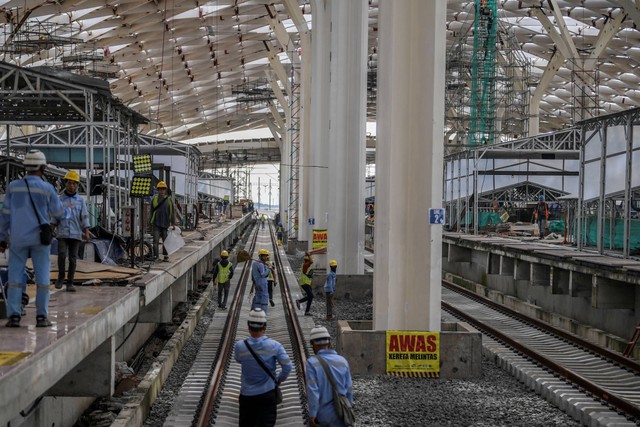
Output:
x=341 y=403
x=46 y=235
x=263 y=366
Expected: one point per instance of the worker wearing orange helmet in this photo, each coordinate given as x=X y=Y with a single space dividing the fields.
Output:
x=162 y=212
x=73 y=228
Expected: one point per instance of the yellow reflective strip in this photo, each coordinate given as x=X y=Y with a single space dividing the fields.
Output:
x=10 y=358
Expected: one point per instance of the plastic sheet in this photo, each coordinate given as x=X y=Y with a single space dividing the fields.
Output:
x=174 y=241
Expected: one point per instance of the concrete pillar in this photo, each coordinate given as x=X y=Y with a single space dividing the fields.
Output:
x=319 y=150
x=347 y=120
x=409 y=164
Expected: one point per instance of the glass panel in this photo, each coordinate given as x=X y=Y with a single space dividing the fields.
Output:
x=615 y=174
x=593 y=148
x=592 y=180
x=616 y=140
x=636 y=136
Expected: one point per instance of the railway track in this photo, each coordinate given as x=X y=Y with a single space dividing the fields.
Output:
x=210 y=392
x=593 y=384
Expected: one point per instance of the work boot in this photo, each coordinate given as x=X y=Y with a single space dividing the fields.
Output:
x=14 y=322
x=298 y=304
x=166 y=259
x=273 y=304
x=42 y=322
x=71 y=288
x=59 y=283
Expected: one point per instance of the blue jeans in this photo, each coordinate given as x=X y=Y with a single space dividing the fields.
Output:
x=40 y=255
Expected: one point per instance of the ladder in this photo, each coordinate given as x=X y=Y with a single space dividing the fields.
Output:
x=631 y=344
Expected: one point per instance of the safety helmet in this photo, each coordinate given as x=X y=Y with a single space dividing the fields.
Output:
x=34 y=159
x=72 y=176
x=263 y=252
x=320 y=335
x=257 y=318
x=224 y=254
x=541 y=198
x=333 y=263
x=307 y=257
x=161 y=184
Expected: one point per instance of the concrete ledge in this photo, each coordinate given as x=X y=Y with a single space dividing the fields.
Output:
x=364 y=348
x=139 y=405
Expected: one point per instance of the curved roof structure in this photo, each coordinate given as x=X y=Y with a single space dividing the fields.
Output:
x=205 y=68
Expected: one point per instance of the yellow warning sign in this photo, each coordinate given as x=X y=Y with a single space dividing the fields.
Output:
x=413 y=352
x=10 y=358
x=320 y=238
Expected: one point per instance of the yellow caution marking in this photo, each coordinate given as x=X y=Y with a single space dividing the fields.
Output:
x=91 y=310
x=10 y=358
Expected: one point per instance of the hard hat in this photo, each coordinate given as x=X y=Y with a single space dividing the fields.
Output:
x=320 y=335
x=307 y=257
x=541 y=198
x=224 y=254
x=72 y=176
x=257 y=318
x=263 y=252
x=161 y=184
x=34 y=159
x=333 y=263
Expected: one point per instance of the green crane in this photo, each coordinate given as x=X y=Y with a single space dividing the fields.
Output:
x=483 y=73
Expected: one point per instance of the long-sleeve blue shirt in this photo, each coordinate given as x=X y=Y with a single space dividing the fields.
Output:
x=319 y=390
x=76 y=217
x=254 y=379
x=330 y=283
x=18 y=221
x=259 y=274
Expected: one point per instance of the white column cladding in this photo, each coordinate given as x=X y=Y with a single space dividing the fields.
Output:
x=319 y=147
x=409 y=156
x=347 y=120
x=305 y=135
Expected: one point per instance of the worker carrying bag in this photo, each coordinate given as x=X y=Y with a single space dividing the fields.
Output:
x=340 y=402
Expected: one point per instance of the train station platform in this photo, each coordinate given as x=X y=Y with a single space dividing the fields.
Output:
x=592 y=295
x=54 y=373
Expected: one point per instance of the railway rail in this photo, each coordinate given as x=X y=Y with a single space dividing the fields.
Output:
x=210 y=392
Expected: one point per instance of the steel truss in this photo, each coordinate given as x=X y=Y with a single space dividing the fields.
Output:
x=513 y=171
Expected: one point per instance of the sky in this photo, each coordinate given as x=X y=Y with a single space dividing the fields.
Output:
x=262 y=172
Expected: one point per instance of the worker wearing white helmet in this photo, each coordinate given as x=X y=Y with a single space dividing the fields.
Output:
x=29 y=204
x=320 y=396
x=258 y=356
x=71 y=229
x=259 y=274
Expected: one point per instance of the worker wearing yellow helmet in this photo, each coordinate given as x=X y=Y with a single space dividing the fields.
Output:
x=306 y=275
x=259 y=273
x=330 y=288
x=223 y=273
x=162 y=217
x=73 y=228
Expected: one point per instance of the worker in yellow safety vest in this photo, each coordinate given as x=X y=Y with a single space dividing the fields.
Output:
x=305 y=283
x=223 y=272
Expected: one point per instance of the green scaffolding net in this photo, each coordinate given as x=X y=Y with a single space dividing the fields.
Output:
x=613 y=233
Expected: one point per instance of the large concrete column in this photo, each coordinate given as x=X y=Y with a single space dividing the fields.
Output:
x=349 y=28
x=319 y=147
x=409 y=156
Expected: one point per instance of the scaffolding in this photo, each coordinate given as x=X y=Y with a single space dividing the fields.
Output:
x=487 y=83
x=294 y=130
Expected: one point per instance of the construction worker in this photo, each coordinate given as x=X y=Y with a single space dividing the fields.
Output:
x=279 y=233
x=161 y=218
x=263 y=220
x=73 y=228
x=271 y=281
x=259 y=274
x=223 y=273
x=305 y=283
x=330 y=288
x=258 y=356
x=541 y=215
x=24 y=221
x=319 y=389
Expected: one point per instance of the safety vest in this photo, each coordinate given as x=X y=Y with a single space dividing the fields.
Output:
x=270 y=277
x=223 y=273
x=304 y=279
x=154 y=205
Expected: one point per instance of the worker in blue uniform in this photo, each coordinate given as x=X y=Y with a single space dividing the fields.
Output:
x=259 y=274
x=319 y=390
x=73 y=228
x=28 y=204
x=330 y=288
x=258 y=405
